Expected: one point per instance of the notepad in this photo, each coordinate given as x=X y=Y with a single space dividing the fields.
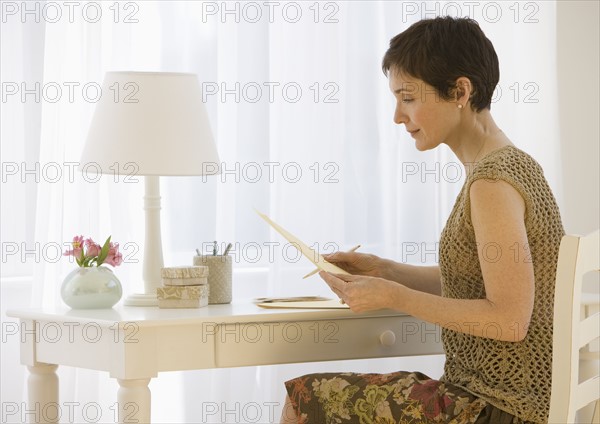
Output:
x=290 y=299
x=315 y=304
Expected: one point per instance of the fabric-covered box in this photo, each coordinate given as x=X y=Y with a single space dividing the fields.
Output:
x=184 y=276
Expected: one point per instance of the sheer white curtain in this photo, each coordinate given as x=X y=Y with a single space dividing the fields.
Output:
x=302 y=116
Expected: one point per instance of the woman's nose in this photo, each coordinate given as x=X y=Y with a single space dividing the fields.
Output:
x=399 y=117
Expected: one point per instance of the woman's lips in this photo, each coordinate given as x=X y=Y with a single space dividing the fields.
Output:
x=413 y=132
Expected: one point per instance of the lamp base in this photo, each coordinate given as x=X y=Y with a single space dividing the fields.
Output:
x=141 y=299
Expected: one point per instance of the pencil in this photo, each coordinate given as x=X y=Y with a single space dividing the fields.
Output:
x=317 y=270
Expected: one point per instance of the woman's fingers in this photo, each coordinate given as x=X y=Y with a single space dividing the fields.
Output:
x=347 y=278
x=339 y=278
x=354 y=263
x=361 y=293
x=337 y=285
x=340 y=257
x=332 y=280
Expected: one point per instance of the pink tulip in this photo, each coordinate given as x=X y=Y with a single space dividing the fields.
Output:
x=114 y=258
x=92 y=249
x=77 y=247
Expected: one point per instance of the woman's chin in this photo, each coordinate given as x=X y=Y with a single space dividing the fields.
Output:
x=421 y=146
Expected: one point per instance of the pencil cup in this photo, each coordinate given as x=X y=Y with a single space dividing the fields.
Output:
x=219 y=277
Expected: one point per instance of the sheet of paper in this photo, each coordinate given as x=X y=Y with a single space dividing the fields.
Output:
x=309 y=253
x=290 y=299
x=319 y=304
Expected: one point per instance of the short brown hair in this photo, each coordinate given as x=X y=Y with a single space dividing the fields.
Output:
x=440 y=50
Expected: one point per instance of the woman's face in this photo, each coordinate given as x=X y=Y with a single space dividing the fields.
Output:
x=427 y=117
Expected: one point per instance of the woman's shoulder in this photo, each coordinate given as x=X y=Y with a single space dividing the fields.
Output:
x=507 y=162
x=508 y=155
x=520 y=170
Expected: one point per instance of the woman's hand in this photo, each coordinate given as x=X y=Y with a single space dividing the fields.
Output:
x=362 y=293
x=356 y=263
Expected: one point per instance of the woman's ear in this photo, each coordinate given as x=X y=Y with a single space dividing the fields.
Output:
x=463 y=90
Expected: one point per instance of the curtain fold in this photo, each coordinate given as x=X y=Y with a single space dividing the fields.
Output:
x=302 y=117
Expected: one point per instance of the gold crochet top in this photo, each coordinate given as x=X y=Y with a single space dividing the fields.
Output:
x=513 y=376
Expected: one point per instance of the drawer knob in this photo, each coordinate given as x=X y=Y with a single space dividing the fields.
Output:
x=387 y=338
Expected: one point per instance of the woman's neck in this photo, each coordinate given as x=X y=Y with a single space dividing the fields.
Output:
x=476 y=135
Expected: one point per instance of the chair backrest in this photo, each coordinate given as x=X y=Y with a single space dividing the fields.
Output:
x=574 y=330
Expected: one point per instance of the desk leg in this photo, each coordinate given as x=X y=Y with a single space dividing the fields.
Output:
x=42 y=387
x=133 y=398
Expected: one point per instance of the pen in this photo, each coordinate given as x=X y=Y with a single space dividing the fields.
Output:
x=215 y=249
x=198 y=252
x=317 y=270
x=227 y=249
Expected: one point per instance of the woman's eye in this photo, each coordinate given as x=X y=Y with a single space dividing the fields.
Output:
x=407 y=100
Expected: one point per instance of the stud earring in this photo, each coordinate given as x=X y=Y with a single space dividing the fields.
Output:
x=460 y=106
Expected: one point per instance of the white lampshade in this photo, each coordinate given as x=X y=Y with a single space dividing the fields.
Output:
x=153 y=120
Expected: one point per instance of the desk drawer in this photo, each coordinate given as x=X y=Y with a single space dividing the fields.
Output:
x=243 y=344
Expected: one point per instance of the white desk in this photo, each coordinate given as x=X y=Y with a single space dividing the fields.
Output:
x=134 y=344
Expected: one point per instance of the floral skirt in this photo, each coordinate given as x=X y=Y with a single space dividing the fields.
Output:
x=399 y=397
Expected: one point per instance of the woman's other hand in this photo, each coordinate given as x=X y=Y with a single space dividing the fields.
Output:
x=362 y=293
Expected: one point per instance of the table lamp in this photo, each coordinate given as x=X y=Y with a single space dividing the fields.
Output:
x=152 y=124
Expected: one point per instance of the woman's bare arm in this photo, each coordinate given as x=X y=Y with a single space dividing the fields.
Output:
x=498 y=216
x=421 y=278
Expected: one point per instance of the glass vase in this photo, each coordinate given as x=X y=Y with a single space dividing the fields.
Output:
x=91 y=288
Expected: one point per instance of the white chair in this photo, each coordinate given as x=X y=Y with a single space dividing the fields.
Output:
x=576 y=330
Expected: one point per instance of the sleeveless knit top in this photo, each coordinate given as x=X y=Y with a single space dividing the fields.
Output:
x=513 y=376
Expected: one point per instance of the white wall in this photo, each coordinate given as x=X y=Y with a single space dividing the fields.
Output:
x=578 y=53
x=578 y=93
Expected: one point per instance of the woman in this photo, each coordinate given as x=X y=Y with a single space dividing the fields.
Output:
x=493 y=290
